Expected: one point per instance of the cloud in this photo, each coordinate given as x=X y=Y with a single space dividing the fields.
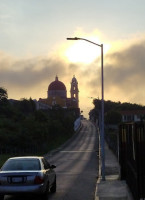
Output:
x=30 y=71
x=30 y=77
x=27 y=74
x=127 y=67
x=124 y=74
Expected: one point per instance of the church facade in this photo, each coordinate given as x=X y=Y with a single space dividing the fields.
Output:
x=57 y=94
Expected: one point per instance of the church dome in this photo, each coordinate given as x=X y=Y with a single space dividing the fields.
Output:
x=56 y=85
x=57 y=88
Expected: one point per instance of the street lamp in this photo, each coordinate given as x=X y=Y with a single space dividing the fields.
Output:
x=102 y=107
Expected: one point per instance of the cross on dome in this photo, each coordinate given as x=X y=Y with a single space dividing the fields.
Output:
x=56 y=78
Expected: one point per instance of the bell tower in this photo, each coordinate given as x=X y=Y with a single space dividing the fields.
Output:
x=74 y=91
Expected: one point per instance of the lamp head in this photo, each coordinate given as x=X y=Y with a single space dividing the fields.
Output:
x=75 y=38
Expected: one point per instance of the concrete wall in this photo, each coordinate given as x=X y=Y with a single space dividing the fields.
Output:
x=77 y=124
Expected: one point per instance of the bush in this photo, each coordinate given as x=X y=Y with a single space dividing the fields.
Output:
x=113 y=117
x=24 y=129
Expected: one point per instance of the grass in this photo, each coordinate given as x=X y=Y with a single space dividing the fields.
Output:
x=55 y=144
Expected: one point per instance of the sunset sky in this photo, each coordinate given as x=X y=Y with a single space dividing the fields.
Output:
x=34 y=49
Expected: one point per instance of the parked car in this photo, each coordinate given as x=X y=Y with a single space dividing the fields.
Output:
x=27 y=175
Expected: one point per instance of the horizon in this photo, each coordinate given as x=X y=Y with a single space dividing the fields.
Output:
x=34 y=48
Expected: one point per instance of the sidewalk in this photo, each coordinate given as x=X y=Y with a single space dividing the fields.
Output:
x=112 y=188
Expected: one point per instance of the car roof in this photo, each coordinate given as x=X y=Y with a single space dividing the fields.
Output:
x=26 y=157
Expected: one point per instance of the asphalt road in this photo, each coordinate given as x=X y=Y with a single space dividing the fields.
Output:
x=77 y=166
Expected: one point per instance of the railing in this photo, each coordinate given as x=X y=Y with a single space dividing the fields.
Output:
x=132 y=157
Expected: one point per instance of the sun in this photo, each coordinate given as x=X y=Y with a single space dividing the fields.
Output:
x=83 y=52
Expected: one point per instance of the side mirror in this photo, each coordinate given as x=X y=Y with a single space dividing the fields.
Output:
x=52 y=166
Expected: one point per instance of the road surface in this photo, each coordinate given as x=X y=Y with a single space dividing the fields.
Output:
x=77 y=167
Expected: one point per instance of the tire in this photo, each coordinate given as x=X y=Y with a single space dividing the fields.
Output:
x=45 y=195
x=53 y=187
x=1 y=197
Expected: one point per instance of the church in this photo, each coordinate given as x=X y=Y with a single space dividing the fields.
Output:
x=57 y=95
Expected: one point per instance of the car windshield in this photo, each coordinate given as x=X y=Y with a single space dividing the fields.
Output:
x=21 y=164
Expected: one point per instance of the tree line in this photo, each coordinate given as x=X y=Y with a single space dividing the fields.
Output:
x=112 y=110
x=112 y=118
x=25 y=129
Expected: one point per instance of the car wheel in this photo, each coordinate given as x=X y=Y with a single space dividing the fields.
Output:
x=1 y=197
x=45 y=195
x=53 y=187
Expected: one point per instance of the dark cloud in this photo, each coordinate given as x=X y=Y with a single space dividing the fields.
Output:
x=126 y=68
x=124 y=74
x=30 y=72
x=124 y=71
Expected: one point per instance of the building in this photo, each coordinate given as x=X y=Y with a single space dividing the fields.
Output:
x=57 y=94
x=132 y=115
x=41 y=106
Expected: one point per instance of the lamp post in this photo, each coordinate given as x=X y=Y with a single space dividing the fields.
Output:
x=102 y=107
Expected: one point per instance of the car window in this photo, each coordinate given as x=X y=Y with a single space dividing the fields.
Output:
x=45 y=163
x=20 y=164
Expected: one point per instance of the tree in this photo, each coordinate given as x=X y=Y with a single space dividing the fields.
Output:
x=27 y=106
x=4 y=103
x=113 y=117
x=3 y=95
x=41 y=116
